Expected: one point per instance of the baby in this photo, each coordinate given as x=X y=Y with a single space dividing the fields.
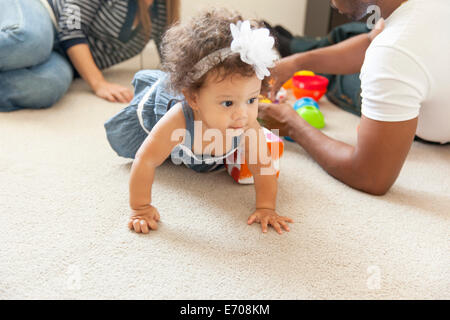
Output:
x=213 y=70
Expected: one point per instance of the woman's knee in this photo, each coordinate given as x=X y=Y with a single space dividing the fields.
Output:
x=26 y=34
x=37 y=87
x=55 y=83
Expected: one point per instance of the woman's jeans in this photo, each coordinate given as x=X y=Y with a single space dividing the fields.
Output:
x=32 y=74
x=343 y=90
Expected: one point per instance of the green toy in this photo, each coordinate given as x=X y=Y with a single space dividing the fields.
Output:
x=312 y=115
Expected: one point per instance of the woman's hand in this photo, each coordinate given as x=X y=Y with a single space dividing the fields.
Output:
x=81 y=57
x=113 y=92
x=269 y=217
x=144 y=219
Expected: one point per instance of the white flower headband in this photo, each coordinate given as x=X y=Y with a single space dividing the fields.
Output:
x=254 y=46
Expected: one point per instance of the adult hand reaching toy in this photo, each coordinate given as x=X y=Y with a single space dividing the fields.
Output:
x=324 y=60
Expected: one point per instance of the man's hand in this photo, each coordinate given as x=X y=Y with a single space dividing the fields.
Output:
x=144 y=219
x=113 y=92
x=282 y=72
x=269 y=217
x=277 y=116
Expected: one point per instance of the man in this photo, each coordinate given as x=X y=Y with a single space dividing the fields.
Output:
x=404 y=84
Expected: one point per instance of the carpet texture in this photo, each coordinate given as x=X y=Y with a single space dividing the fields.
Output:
x=64 y=212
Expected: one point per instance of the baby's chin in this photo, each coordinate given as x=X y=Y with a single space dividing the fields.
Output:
x=234 y=132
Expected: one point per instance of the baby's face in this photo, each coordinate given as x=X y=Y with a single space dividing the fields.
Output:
x=229 y=105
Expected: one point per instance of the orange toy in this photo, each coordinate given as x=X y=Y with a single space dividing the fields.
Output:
x=238 y=169
x=288 y=84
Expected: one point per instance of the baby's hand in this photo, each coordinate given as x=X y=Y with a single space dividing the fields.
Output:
x=144 y=219
x=269 y=217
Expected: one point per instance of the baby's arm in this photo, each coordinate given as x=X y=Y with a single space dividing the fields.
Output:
x=152 y=153
x=266 y=184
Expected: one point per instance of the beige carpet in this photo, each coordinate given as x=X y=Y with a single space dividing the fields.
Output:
x=64 y=212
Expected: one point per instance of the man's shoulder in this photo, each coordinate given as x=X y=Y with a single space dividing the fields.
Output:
x=415 y=29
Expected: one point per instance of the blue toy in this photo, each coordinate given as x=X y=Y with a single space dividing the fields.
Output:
x=305 y=102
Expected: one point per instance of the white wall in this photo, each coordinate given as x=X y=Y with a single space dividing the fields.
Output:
x=288 y=13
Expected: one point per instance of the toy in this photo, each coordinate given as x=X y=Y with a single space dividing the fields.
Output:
x=304 y=73
x=309 y=86
x=306 y=101
x=238 y=169
x=281 y=95
x=288 y=84
x=312 y=115
x=289 y=139
x=309 y=110
x=265 y=100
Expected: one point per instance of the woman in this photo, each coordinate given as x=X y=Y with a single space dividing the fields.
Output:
x=45 y=43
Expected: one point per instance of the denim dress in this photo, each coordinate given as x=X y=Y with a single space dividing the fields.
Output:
x=127 y=130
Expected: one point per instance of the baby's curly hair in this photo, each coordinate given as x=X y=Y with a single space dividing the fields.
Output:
x=184 y=45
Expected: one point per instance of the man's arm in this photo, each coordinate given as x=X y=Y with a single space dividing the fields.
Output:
x=372 y=165
x=346 y=57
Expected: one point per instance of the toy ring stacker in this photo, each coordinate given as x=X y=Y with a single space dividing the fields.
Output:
x=307 y=84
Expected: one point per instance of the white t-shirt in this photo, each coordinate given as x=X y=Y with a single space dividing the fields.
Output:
x=406 y=72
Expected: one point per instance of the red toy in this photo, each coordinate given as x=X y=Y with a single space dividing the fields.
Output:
x=313 y=86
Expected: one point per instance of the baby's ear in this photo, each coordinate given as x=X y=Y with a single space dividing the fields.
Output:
x=191 y=98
